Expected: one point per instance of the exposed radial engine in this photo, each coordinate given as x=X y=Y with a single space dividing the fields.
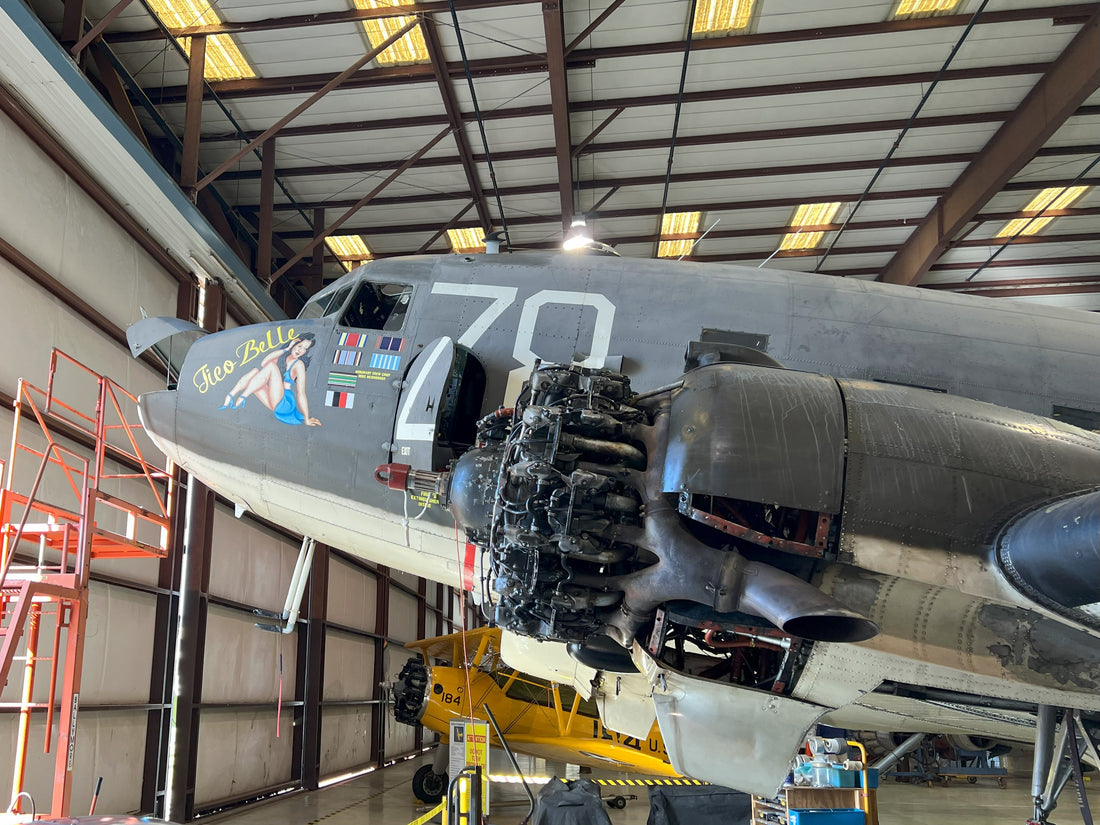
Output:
x=567 y=494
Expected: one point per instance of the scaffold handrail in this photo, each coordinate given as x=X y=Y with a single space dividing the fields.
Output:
x=10 y=498
x=70 y=448
x=48 y=407
x=24 y=400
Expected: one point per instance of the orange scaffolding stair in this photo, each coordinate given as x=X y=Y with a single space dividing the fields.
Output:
x=62 y=449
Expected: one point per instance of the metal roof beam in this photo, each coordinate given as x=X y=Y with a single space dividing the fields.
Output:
x=706 y=175
x=1066 y=85
x=267 y=200
x=528 y=64
x=97 y=29
x=378 y=77
x=1013 y=287
x=580 y=147
x=1058 y=13
x=640 y=180
x=878 y=249
x=309 y=20
x=192 y=121
x=1073 y=11
x=559 y=104
x=771 y=231
x=595 y=24
x=401 y=123
x=454 y=119
x=116 y=91
x=971 y=265
x=339 y=222
x=726 y=206
x=305 y=104
x=451 y=224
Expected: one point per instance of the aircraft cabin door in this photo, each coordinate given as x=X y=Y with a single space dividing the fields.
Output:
x=421 y=403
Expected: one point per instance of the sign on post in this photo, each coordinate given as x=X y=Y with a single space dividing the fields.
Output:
x=470 y=747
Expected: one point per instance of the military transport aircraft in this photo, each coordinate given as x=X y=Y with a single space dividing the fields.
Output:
x=537 y=717
x=664 y=465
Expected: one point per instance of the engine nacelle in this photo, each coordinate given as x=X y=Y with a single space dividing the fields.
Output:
x=569 y=496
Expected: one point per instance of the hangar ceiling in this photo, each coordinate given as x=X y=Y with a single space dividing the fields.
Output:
x=930 y=131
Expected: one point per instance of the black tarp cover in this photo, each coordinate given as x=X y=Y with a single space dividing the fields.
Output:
x=698 y=805
x=575 y=802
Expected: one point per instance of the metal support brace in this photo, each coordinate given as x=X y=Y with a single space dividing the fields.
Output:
x=297 y=589
x=1045 y=727
x=1058 y=763
x=892 y=758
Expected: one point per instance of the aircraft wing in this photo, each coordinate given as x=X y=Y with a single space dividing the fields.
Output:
x=454 y=648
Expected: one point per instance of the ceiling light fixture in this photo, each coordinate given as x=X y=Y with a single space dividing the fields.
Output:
x=807 y=215
x=910 y=9
x=352 y=250
x=224 y=60
x=578 y=237
x=410 y=49
x=673 y=225
x=714 y=18
x=1057 y=197
x=466 y=240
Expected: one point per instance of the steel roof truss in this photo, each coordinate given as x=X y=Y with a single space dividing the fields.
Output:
x=559 y=104
x=339 y=222
x=454 y=118
x=1071 y=79
x=305 y=104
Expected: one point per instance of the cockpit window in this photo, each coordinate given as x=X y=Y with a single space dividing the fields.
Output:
x=378 y=306
x=326 y=304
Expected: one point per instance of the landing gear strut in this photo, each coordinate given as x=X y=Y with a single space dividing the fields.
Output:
x=1055 y=763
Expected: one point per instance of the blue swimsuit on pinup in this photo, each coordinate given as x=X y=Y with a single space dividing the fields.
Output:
x=287 y=408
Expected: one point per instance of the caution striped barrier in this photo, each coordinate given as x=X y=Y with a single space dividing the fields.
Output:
x=438 y=809
x=639 y=782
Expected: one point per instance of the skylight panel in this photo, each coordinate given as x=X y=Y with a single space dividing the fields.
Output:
x=909 y=9
x=466 y=240
x=1057 y=197
x=809 y=215
x=678 y=223
x=224 y=59
x=411 y=48
x=352 y=250
x=714 y=18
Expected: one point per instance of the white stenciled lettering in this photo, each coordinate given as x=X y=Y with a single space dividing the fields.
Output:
x=504 y=296
x=528 y=321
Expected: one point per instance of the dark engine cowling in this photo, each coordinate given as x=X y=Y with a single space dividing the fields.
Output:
x=569 y=494
x=696 y=519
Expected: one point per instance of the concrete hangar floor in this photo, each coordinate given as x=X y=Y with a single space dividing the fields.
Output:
x=384 y=797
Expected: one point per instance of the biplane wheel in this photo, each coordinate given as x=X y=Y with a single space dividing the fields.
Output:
x=429 y=786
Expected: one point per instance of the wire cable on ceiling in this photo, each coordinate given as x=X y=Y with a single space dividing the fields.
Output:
x=901 y=135
x=480 y=124
x=171 y=40
x=1032 y=220
x=676 y=117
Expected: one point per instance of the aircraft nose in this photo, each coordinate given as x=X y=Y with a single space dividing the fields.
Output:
x=157 y=411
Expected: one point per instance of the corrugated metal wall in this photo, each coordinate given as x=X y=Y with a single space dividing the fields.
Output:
x=244 y=745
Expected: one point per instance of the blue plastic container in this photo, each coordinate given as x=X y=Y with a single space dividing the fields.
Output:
x=835 y=816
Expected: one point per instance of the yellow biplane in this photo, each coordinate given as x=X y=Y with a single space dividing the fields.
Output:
x=537 y=717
